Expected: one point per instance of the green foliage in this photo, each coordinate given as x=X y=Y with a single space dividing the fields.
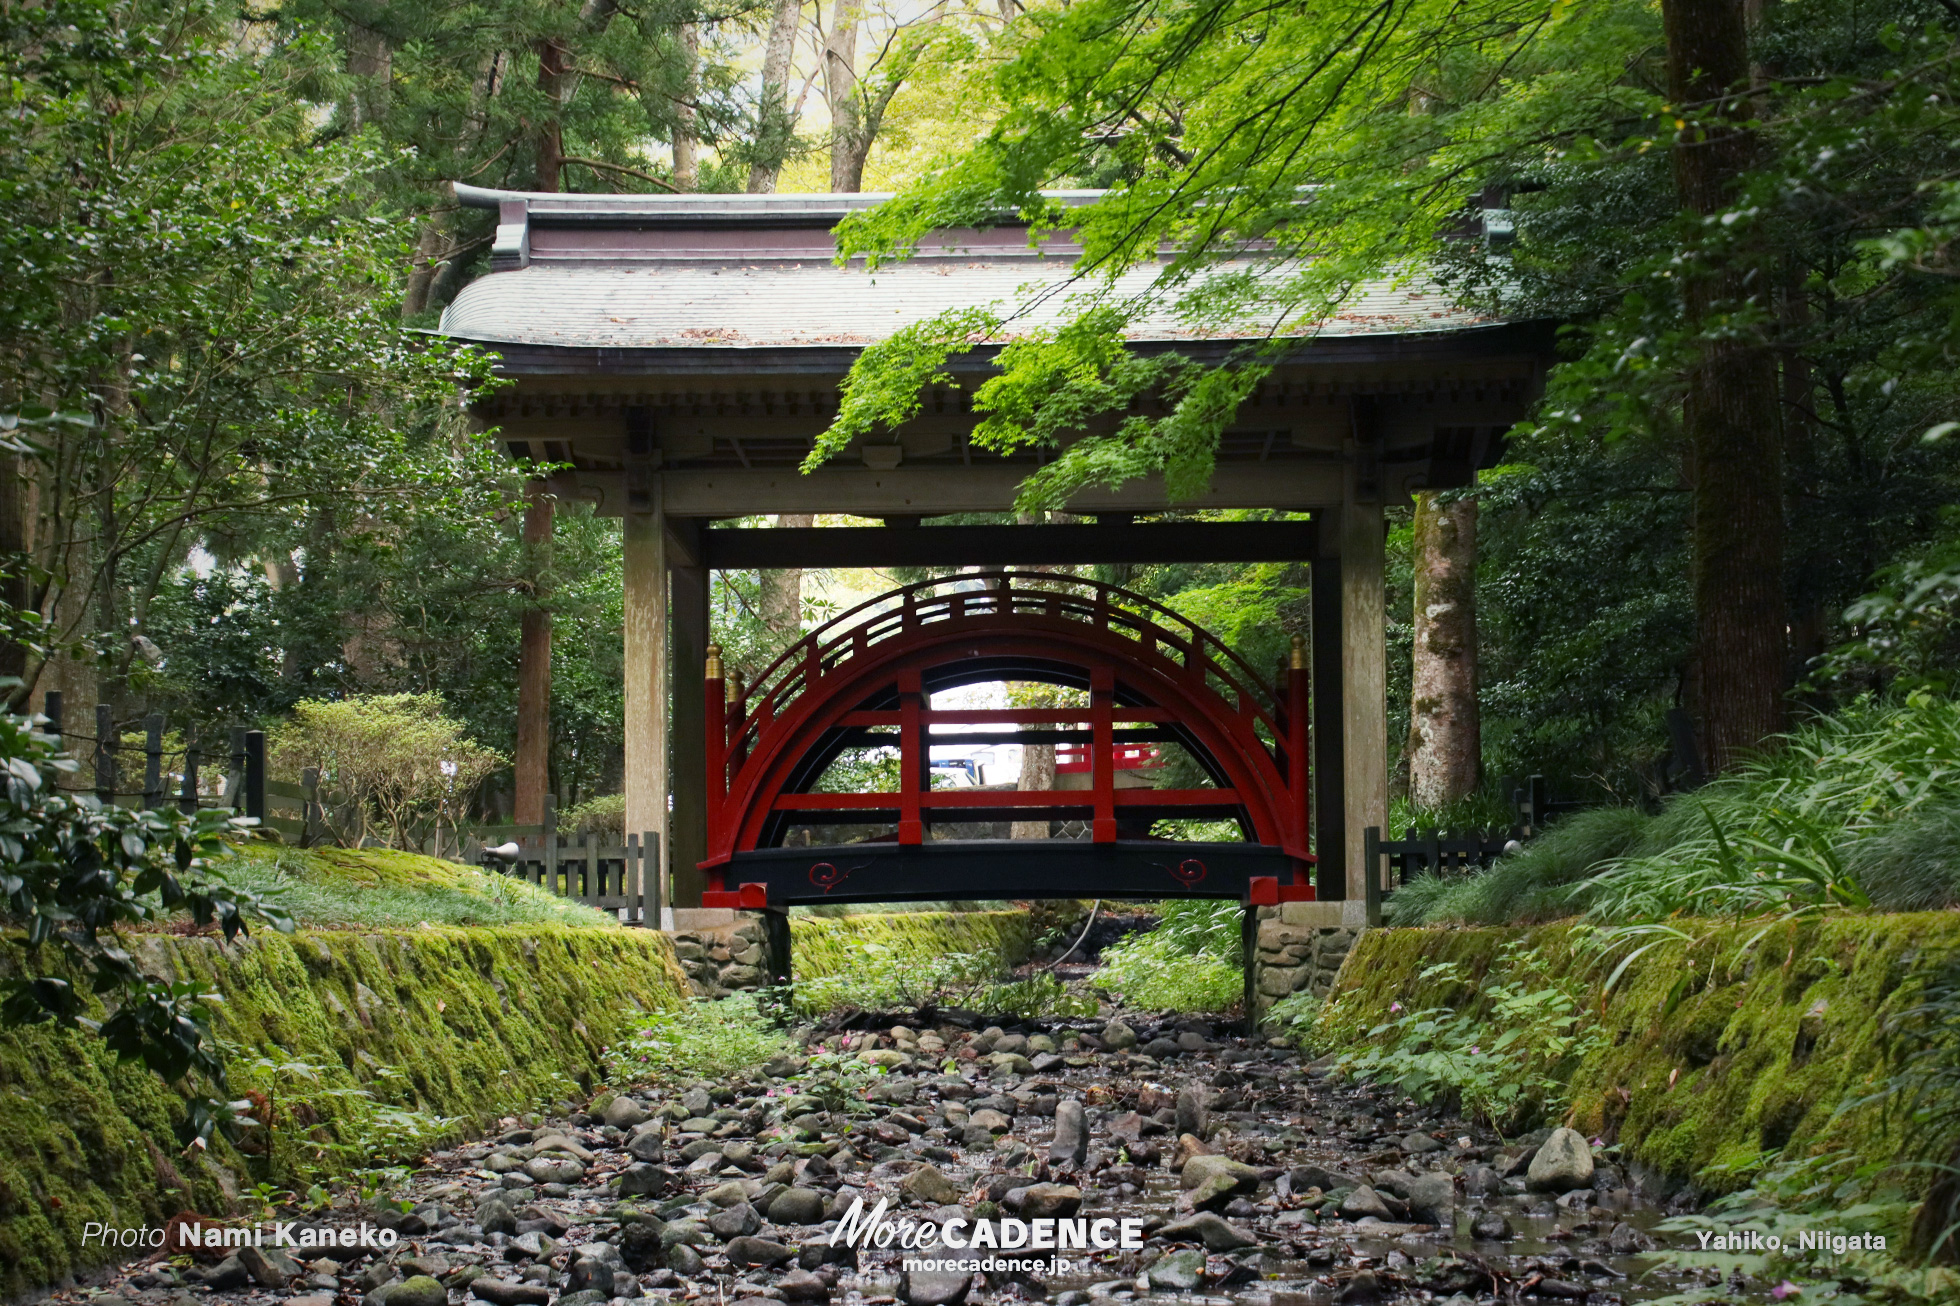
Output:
x=399 y=766
x=832 y=944
x=1851 y=810
x=1510 y=1063
x=604 y=815
x=885 y=977
x=375 y=888
x=1189 y=962
x=838 y=1079
x=700 y=1040
x=75 y=877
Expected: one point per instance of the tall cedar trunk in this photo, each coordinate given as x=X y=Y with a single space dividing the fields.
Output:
x=687 y=161
x=16 y=553
x=774 y=128
x=1445 y=746
x=371 y=68
x=554 y=75
x=848 y=143
x=1037 y=776
x=781 y=596
x=532 y=763
x=1736 y=454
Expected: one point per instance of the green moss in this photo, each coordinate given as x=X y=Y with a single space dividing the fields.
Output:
x=380 y=888
x=471 y=1024
x=828 y=945
x=1746 y=1042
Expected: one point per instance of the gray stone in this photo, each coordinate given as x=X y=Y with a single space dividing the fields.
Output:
x=737 y=1221
x=1363 y=1202
x=1178 y=1272
x=929 y=1185
x=1050 y=1201
x=624 y=1113
x=502 y=1292
x=726 y=1195
x=555 y=1169
x=643 y=1180
x=1492 y=1227
x=797 y=1206
x=1162 y=1049
x=227 y=1275
x=991 y=1121
x=639 y=1245
x=266 y=1271
x=1419 y=1143
x=590 y=1274
x=1562 y=1164
x=1071 y=1144
x=1199 y=1169
x=934 y=1287
x=647 y=1145
x=801 y=1285
x=748 y=1251
x=420 y=1290
x=587 y=1297
x=1214 y=1231
x=1432 y=1200
x=685 y=1261
x=1118 y=1037
x=1192 y=1118
x=495 y=1216
x=1217 y=1192
x=1480 y=1181
x=1625 y=1240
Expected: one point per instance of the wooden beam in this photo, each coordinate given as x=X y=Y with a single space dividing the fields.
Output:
x=645 y=661
x=1008 y=546
x=687 y=835
x=1364 y=654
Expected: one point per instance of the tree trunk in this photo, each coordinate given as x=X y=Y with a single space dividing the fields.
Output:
x=687 y=161
x=781 y=597
x=532 y=763
x=16 y=555
x=554 y=74
x=774 y=127
x=1730 y=413
x=848 y=142
x=1037 y=776
x=1445 y=747
x=371 y=67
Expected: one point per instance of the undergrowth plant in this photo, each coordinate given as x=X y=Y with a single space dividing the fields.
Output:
x=1508 y=1058
x=881 y=977
x=702 y=1040
x=1190 y=962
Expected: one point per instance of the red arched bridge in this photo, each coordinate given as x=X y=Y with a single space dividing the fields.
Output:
x=1143 y=675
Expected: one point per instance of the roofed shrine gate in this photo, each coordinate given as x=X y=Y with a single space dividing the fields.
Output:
x=682 y=353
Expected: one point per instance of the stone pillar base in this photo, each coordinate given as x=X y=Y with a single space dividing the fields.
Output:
x=722 y=950
x=1301 y=947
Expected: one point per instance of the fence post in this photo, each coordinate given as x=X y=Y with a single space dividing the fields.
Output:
x=309 y=780
x=650 y=869
x=255 y=774
x=153 y=761
x=1371 y=857
x=187 y=797
x=51 y=709
x=551 y=846
x=235 y=778
x=105 y=757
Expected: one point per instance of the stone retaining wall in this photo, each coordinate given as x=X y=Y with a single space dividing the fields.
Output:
x=1301 y=948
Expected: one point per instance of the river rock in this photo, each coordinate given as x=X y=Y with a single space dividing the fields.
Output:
x=1418 y=1143
x=502 y=1292
x=934 y=1287
x=1198 y=1169
x=726 y=1195
x=639 y=1246
x=1192 y=1118
x=685 y=1261
x=227 y=1275
x=1050 y=1201
x=1432 y=1200
x=797 y=1206
x=647 y=1145
x=735 y=1222
x=555 y=1169
x=1178 y=1272
x=1071 y=1144
x=1162 y=1049
x=802 y=1285
x=420 y=1290
x=1625 y=1240
x=1118 y=1037
x=1215 y=1193
x=747 y=1251
x=931 y=1186
x=1362 y=1203
x=624 y=1113
x=991 y=1121
x=1492 y=1226
x=1214 y=1231
x=642 y=1180
x=1562 y=1164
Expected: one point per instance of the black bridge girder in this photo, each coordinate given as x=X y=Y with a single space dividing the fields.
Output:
x=998 y=868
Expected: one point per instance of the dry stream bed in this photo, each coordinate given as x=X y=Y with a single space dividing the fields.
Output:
x=1259 y=1179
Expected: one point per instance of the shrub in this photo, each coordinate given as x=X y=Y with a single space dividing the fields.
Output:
x=604 y=815
x=404 y=771
x=702 y=1040
x=881 y=977
x=1190 y=962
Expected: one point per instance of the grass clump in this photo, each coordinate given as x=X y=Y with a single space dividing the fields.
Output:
x=701 y=1040
x=1854 y=810
x=884 y=977
x=380 y=888
x=1190 y=962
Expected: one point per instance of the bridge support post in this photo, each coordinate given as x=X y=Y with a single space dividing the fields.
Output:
x=1364 y=648
x=645 y=665
x=1329 y=763
x=687 y=839
x=1249 y=958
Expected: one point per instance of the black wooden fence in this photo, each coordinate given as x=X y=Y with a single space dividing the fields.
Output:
x=602 y=870
x=1393 y=863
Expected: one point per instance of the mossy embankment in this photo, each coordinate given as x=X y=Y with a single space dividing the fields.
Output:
x=1748 y=1040
x=829 y=945
x=326 y=1031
